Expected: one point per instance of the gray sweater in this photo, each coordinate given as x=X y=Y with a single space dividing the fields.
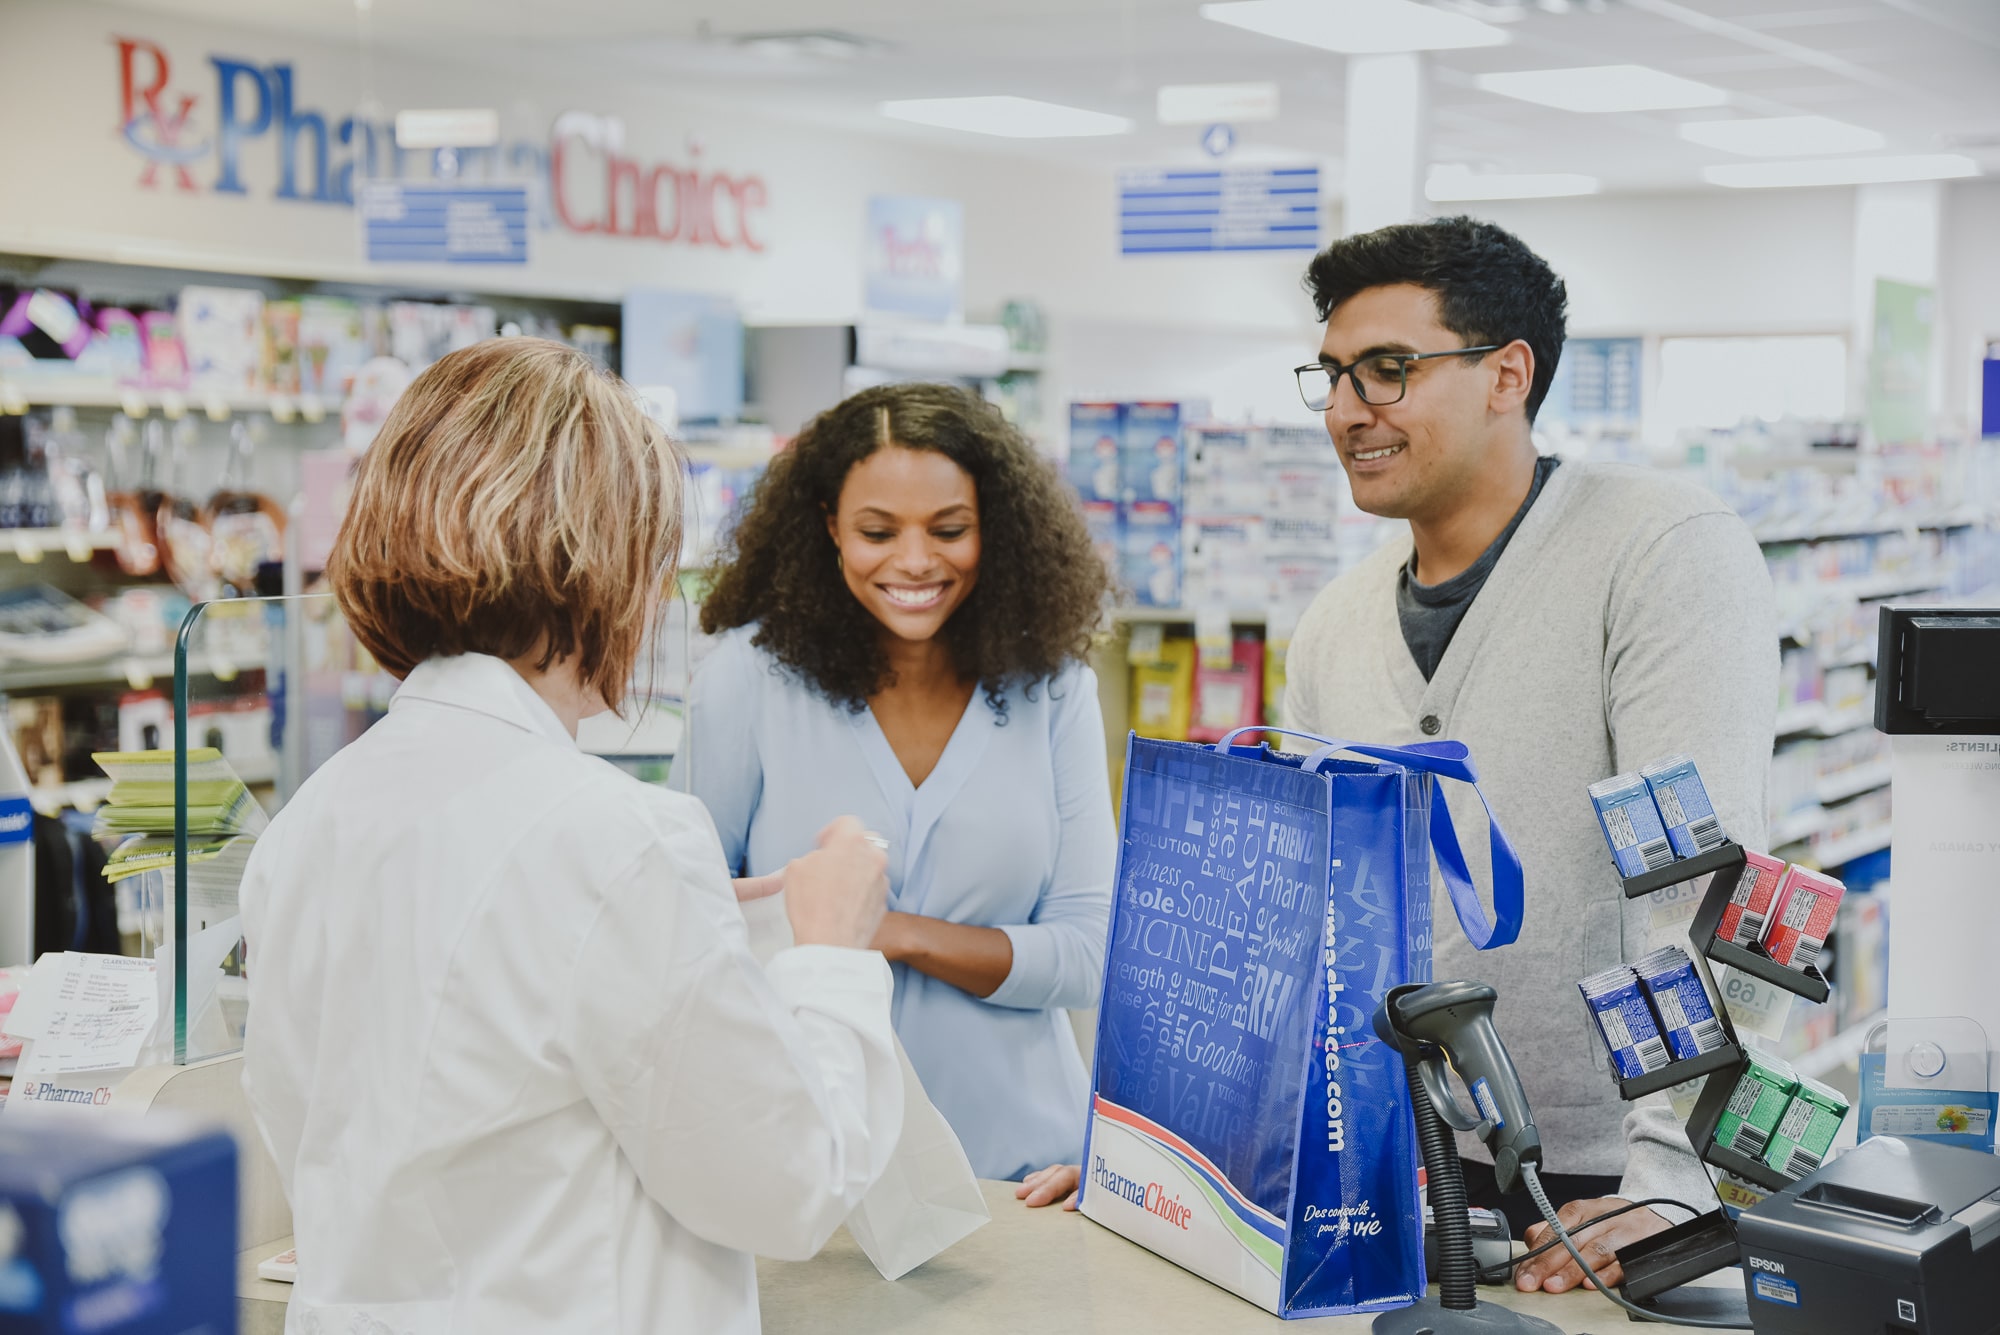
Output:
x=1631 y=617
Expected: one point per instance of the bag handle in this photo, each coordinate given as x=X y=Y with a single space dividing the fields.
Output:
x=1448 y=760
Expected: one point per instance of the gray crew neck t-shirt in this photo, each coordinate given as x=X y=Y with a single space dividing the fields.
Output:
x=1430 y=613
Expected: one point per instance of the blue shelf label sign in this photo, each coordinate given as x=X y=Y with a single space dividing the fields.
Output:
x=1165 y=211
x=444 y=223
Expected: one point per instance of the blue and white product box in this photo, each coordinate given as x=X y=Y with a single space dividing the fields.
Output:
x=1631 y=824
x=1225 y=562
x=1152 y=452
x=1680 y=1002
x=1096 y=439
x=1224 y=471
x=1107 y=531
x=1625 y=1021
x=116 y=1226
x=1683 y=805
x=1152 y=543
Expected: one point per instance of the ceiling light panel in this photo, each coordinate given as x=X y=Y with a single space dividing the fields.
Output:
x=1604 y=88
x=1782 y=136
x=1357 y=27
x=1007 y=117
x=1210 y=103
x=1450 y=182
x=1841 y=171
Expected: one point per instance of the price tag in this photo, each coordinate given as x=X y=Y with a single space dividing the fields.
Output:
x=216 y=407
x=311 y=409
x=1685 y=1095
x=79 y=547
x=27 y=548
x=1737 y=1194
x=1145 y=646
x=281 y=409
x=1755 y=1006
x=1211 y=637
x=133 y=403
x=1669 y=911
x=137 y=675
x=173 y=405
x=13 y=402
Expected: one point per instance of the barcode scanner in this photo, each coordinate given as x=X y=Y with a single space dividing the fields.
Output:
x=1453 y=1022
x=1431 y=1024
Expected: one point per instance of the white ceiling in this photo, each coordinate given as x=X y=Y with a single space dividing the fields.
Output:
x=1926 y=73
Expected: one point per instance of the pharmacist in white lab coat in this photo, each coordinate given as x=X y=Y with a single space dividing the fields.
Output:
x=510 y=1051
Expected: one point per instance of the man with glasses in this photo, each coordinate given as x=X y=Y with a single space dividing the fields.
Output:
x=1566 y=620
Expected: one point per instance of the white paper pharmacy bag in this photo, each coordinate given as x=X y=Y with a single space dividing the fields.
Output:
x=928 y=1197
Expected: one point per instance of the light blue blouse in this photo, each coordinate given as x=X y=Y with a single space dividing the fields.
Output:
x=1012 y=830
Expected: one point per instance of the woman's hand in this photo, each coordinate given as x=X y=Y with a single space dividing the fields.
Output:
x=837 y=894
x=758 y=887
x=1046 y=1186
x=1553 y=1271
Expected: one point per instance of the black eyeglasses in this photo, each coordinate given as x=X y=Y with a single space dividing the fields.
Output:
x=1379 y=380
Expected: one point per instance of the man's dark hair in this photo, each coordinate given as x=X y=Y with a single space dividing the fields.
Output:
x=1490 y=287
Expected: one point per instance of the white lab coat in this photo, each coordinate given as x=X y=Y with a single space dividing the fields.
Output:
x=511 y=1052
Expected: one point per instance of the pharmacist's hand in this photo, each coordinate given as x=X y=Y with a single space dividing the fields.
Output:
x=837 y=894
x=1046 y=1186
x=758 y=887
x=1554 y=1272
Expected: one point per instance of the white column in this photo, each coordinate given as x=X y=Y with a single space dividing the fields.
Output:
x=1897 y=234
x=1387 y=140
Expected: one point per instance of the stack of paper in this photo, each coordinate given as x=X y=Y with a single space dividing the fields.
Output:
x=84 y=1021
x=142 y=795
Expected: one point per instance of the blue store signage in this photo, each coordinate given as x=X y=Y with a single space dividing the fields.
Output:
x=1172 y=211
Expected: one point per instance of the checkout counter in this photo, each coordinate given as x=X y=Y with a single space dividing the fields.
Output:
x=1051 y=1272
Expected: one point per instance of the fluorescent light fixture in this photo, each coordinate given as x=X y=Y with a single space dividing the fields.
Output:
x=469 y=127
x=1007 y=117
x=1213 y=103
x=1449 y=182
x=1595 y=88
x=1357 y=27
x=1841 y=171
x=1782 y=136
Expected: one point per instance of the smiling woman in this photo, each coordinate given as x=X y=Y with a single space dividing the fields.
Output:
x=904 y=609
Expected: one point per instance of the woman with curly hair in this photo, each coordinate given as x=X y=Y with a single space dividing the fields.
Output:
x=904 y=608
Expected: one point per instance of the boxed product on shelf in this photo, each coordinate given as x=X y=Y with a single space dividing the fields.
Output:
x=1806 y=1131
x=222 y=336
x=1276 y=647
x=1163 y=691
x=281 y=346
x=166 y=356
x=1682 y=801
x=1106 y=526
x=1151 y=563
x=1802 y=914
x=1224 y=470
x=1625 y=1022
x=1749 y=904
x=1226 y=698
x=1863 y=930
x=332 y=345
x=1680 y=1002
x=1225 y=561
x=1150 y=450
x=1631 y=824
x=1096 y=431
x=1763 y=1091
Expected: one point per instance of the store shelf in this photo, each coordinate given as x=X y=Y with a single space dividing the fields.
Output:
x=135 y=671
x=1846 y=721
x=1845 y=849
x=1834 y=532
x=729 y=456
x=1797 y=827
x=29 y=545
x=1129 y=615
x=140 y=402
x=1796 y=720
x=1844 y=1047
x=1813 y=719
x=1841 y=787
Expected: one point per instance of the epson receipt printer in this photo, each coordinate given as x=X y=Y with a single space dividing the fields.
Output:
x=1895 y=1236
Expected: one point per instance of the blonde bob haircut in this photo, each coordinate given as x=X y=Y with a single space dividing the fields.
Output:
x=517 y=501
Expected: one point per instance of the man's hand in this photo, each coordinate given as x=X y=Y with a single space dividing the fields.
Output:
x=1046 y=1186
x=1554 y=1272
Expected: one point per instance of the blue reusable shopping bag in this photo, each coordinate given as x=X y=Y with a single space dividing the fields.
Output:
x=1245 y=1122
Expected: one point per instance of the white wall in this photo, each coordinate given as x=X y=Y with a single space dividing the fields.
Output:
x=1970 y=272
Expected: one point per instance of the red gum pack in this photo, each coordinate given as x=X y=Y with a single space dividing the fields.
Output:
x=1749 y=906
x=1801 y=916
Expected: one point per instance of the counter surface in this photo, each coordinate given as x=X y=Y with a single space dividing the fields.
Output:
x=1046 y=1271
x=1056 y=1273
